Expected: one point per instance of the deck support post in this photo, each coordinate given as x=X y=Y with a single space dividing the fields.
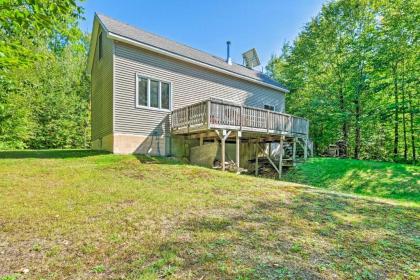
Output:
x=305 y=149
x=256 y=157
x=223 y=154
x=294 y=151
x=225 y=134
x=201 y=139
x=281 y=157
x=238 y=156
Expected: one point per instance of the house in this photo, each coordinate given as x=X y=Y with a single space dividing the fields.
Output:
x=152 y=95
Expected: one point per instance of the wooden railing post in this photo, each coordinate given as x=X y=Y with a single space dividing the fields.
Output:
x=281 y=157
x=188 y=119
x=307 y=127
x=237 y=154
x=268 y=121
x=208 y=113
x=240 y=118
x=256 y=157
x=290 y=124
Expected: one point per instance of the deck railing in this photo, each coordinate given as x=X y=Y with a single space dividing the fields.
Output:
x=215 y=114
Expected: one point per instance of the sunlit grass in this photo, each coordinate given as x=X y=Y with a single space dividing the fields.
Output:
x=86 y=215
x=371 y=178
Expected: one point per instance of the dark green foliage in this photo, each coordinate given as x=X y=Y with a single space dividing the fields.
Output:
x=353 y=72
x=24 y=23
x=44 y=90
x=61 y=102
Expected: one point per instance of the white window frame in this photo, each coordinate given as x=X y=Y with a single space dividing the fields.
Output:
x=148 y=107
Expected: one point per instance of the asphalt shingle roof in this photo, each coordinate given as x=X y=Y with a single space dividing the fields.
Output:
x=141 y=36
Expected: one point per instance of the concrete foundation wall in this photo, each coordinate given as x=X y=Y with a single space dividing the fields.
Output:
x=179 y=146
x=96 y=144
x=133 y=144
x=104 y=143
x=138 y=144
x=204 y=155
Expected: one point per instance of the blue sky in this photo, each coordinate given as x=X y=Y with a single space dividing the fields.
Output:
x=207 y=25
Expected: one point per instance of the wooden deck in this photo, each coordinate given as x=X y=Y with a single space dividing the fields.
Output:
x=221 y=115
x=221 y=121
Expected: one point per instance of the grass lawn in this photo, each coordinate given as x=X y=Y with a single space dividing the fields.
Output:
x=372 y=178
x=84 y=215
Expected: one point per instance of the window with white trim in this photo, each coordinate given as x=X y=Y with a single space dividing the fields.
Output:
x=153 y=93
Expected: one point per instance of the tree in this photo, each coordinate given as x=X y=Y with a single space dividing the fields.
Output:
x=24 y=23
x=343 y=69
x=44 y=90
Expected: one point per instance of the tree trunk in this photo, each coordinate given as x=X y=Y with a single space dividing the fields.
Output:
x=394 y=71
x=357 y=128
x=403 y=114
x=345 y=126
x=413 y=142
x=358 y=111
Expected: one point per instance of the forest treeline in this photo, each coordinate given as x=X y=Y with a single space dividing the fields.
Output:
x=44 y=90
x=353 y=71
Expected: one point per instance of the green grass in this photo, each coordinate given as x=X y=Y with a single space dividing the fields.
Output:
x=86 y=215
x=371 y=178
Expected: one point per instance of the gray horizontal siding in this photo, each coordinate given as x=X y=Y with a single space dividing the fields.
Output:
x=101 y=79
x=171 y=46
x=190 y=84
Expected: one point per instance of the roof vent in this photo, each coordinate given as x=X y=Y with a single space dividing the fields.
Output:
x=251 y=59
x=228 y=58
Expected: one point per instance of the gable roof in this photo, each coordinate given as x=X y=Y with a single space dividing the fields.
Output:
x=119 y=31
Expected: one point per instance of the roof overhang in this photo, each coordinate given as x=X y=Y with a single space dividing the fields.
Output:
x=97 y=22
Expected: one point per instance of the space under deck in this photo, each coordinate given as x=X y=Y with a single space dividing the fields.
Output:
x=222 y=121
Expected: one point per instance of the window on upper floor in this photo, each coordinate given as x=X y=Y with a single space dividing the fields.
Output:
x=153 y=93
x=100 y=47
x=269 y=107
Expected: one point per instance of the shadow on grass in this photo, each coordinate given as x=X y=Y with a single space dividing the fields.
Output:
x=49 y=154
x=80 y=153
x=146 y=159
x=313 y=236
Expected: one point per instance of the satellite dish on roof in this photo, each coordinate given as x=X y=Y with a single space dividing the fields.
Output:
x=250 y=58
